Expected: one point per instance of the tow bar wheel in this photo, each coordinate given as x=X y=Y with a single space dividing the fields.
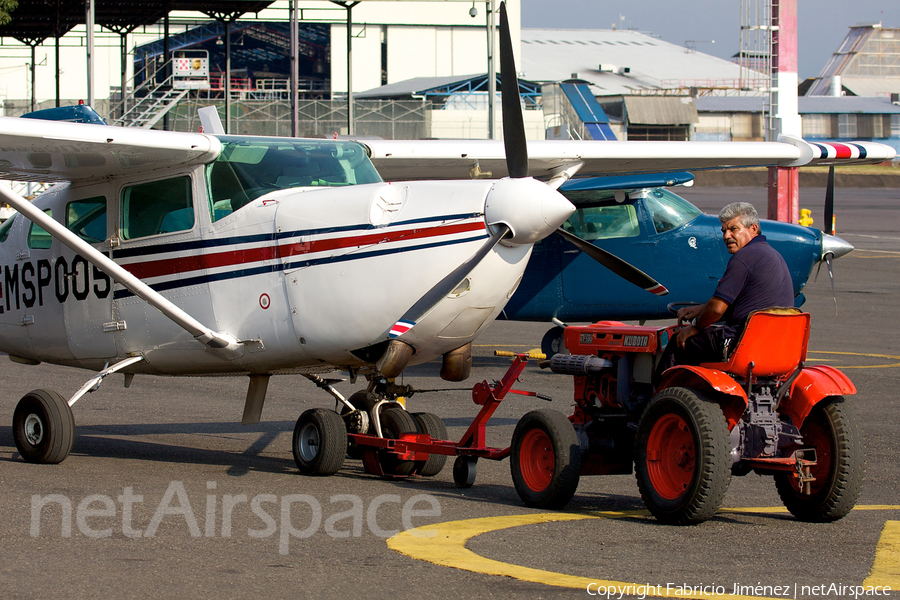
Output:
x=320 y=442
x=682 y=461
x=43 y=427
x=545 y=460
x=832 y=430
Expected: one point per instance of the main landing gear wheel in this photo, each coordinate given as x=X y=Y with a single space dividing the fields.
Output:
x=320 y=442
x=552 y=342
x=682 y=459
x=395 y=422
x=546 y=459
x=43 y=427
x=831 y=428
x=432 y=425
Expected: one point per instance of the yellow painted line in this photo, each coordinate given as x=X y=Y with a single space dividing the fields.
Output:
x=444 y=544
x=886 y=567
x=885 y=366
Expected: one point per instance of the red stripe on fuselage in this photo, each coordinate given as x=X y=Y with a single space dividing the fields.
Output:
x=185 y=264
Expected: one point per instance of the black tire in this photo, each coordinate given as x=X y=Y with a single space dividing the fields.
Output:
x=832 y=429
x=465 y=469
x=682 y=457
x=432 y=425
x=396 y=422
x=360 y=401
x=552 y=342
x=43 y=427
x=546 y=459
x=320 y=442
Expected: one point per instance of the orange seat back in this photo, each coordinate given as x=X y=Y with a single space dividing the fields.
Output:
x=775 y=340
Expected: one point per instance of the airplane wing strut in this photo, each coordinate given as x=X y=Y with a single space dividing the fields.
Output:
x=223 y=344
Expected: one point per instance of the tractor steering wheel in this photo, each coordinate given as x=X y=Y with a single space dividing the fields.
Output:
x=673 y=307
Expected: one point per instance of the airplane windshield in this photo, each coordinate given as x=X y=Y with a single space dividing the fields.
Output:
x=668 y=210
x=247 y=168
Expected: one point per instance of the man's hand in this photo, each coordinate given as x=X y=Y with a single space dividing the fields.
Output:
x=689 y=313
x=684 y=334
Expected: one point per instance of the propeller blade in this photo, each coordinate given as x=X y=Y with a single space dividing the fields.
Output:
x=828 y=225
x=828 y=259
x=623 y=269
x=446 y=285
x=513 y=122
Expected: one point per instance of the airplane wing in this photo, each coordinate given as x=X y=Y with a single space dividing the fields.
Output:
x=49 y=151
x=463 y=159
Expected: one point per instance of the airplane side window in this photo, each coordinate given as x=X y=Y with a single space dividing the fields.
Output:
x=7 y=226
x=157 y=207
x=249 y=168
x=604 y=222
x=38 y=239
x=87 y=219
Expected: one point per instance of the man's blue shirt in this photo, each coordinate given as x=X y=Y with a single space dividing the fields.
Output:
x=756 y=278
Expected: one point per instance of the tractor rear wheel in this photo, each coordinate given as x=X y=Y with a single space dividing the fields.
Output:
x=546 y=459
x=832 y=430
x=682 y=459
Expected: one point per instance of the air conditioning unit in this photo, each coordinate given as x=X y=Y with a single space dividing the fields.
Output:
x=607 y=68
x=624 y=70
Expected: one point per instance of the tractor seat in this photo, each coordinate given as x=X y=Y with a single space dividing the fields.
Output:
x=775 y=340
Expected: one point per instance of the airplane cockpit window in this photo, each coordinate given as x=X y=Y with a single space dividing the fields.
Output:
x=668 y=210
x=38 y=238
x=87 y=219
x=157 y=207
x=247 y=168
x=604 y=222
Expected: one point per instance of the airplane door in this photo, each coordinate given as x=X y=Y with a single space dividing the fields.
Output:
x=86 y=292
x=688 y=250
x=618 y=229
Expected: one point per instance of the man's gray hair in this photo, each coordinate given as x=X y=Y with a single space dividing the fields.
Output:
x=744 y=210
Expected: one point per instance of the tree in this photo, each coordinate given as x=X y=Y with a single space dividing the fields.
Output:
x=6 y=7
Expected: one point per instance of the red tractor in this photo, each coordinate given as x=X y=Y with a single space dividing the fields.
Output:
x=762 y=410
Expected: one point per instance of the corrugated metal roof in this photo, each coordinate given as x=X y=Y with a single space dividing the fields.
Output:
x=650 y=110
x=807 y=105
x=557 y=54
x=416 y=85
x=872 y=86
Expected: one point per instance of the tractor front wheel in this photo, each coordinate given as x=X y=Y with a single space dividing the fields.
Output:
x=546 y=459
x=682 y=461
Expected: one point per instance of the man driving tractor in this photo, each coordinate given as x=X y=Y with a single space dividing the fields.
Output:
x=756 y=278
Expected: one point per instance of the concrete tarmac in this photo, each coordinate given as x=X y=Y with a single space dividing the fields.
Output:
x=166 y=495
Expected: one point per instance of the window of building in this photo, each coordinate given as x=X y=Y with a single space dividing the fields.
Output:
x=847 y=126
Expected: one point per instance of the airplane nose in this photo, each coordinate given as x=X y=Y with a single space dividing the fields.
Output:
x=831 y=244
x=531 y=209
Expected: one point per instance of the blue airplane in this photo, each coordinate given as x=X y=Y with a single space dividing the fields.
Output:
x=641 y=220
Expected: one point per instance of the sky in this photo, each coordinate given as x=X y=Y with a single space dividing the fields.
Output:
x=822 y=24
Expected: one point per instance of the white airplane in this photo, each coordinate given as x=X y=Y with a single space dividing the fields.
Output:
x=166 y=253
